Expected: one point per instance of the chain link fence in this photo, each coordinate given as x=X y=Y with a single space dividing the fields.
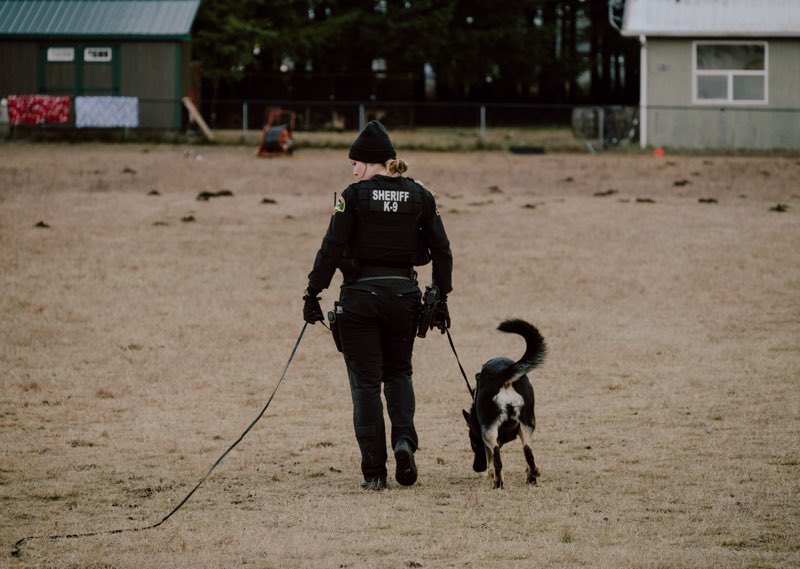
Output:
x=592 y=127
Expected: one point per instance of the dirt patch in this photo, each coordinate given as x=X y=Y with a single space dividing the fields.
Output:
x=135 y=347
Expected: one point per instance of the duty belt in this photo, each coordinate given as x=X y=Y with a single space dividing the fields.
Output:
x=374 y=272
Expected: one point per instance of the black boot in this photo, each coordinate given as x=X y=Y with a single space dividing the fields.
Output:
x=406 y=468
x=375 y=483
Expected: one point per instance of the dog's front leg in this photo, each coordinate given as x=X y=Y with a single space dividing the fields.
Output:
x=489 y=458
x=493 y=457
x=498 y=468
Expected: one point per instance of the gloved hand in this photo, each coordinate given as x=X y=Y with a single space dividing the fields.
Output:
x=312 y=311
x=441 y=315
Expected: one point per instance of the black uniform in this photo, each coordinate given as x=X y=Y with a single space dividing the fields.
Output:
x=380 y=229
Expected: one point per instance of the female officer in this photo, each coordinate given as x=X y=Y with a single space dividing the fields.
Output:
x=382 y=226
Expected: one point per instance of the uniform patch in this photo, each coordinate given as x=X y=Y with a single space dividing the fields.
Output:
x=339 y=207
x=437 y=207
x=390 y=201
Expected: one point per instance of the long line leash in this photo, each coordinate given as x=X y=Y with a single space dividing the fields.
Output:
x=18 y=545
x=463 y=373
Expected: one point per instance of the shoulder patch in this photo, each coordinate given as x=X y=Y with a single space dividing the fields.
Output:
x=433 y=194
x=340 y=205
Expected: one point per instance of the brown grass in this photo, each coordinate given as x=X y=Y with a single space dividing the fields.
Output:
x=135 y=347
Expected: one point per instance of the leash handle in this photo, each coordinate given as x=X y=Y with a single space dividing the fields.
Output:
x=15 y=551
x=463 y=373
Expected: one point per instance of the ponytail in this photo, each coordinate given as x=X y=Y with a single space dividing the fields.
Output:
x=396 y=166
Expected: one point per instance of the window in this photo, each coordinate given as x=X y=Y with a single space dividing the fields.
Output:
x=97 y=54
x=61 y=54
x=79 y=69
x=729 y=72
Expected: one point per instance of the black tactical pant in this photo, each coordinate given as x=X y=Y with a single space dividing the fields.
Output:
x=377 y=327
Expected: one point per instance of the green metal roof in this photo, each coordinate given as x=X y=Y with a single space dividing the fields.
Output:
x=153 y=19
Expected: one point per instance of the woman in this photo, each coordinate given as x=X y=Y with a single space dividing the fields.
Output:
x=382 y=226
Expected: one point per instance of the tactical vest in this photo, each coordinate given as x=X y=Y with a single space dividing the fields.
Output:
x=388 y=223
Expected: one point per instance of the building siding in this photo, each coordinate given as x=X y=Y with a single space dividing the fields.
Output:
x=150 y=42
x=152 y=71
x=669 y=72
x=713 y=128
x=18 y=68
x=148 y=72
x=784 y=73
x=675 y=121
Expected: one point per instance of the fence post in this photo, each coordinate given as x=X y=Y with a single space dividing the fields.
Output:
x=362 y=117
x=244 y=121
x=601 y=127
x=482 y=138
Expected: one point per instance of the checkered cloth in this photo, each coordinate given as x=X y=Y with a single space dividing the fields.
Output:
x=106 y=112
x=38 y=109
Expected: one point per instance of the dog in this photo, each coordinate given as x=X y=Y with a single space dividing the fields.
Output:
x=503 y=402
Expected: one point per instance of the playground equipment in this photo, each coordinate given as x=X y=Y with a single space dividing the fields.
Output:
x=276 y=136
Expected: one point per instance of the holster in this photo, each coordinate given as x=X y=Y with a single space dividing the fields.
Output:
x=427 y=310
x=335 y=326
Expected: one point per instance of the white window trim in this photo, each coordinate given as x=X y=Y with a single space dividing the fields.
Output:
x=729 y=74
x=90 y=57
x=60 y=54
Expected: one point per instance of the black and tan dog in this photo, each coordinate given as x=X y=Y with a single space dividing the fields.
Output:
x=503 y=404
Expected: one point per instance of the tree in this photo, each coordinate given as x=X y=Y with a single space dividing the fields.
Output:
x=490 y=50
x=226 y=33
x=486 y=53
x=415 y=35
x=613 y=59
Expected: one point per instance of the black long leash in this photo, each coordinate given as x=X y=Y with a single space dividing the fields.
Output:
x=18 y=545
x=463 y=373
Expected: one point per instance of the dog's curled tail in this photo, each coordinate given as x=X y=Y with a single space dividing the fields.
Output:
x=535 y=351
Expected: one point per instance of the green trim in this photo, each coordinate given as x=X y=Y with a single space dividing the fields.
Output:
x=40 y=64
x=79 y=70
x=178 y=81
x=116 y=68
x=79 y=65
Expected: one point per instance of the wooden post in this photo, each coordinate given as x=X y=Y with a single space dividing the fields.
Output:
x=195 y=116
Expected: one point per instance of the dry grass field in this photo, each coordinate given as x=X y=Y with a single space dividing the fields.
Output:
x=140 y=333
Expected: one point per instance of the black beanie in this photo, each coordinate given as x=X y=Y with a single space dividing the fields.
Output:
x=373 y=145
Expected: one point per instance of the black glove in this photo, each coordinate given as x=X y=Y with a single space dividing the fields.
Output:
x=441 y=315
x=312 y=312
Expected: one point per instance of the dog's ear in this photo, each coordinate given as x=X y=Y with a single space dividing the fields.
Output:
x=466 y=415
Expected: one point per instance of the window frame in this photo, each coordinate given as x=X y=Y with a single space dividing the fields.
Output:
x=78 y=65
x=60 y=54
x=94 y=58
x=729 y=74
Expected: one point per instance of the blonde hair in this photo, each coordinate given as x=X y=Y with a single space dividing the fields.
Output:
x=396 y=166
